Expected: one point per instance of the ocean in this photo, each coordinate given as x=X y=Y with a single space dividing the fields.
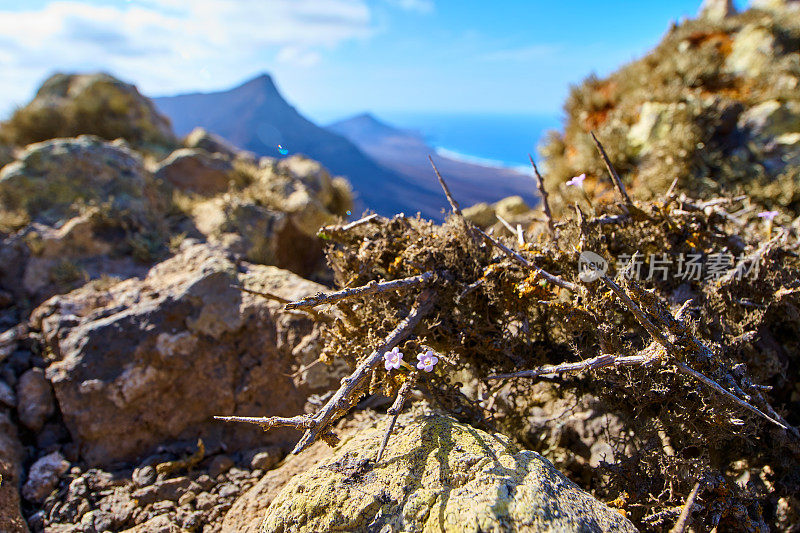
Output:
x=486 y=139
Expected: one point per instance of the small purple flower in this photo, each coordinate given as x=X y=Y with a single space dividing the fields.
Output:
x=393 y=359
x=768 y=215
x=577 y=181
x=427 y=361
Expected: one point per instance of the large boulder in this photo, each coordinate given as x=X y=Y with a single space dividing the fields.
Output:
x=436 y=475
x=146 y=361
x=68 y=105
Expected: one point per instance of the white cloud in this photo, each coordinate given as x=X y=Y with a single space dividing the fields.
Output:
x=420 y=6
x=171 y=45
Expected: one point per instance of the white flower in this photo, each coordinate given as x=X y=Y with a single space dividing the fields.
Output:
x=427 y=361
x=393 y=359
x=577 y=181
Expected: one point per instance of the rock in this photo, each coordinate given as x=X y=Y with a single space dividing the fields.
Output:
x=144 y=475
x=717 y=9
x=43 y=476
x=7 y=396
x=437 y=474
x=170 y=489
x=481 y=214
x=211 y=143
x=266 y=460
x=134 y=363
x=11 y=455
x=158 y=524
x=511 y=207
x=259 y=234
x=35 y=399
x=6 y=154
x=197 y=171
x=247 y=512
x=50 y=179
x=219 y=465
x=68 y=105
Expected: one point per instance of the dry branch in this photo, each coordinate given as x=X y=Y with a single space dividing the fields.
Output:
x=348 y=393
x=394 y=410
x=614 y=176
x=370 y=288
x=453 y=203
x=686 y=513
x=548 y=215
x=555 y=280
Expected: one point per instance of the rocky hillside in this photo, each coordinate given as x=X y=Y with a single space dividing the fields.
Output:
x=123 y=254
x=715 y=106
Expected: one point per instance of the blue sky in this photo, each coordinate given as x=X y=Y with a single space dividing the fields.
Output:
x=332 y=58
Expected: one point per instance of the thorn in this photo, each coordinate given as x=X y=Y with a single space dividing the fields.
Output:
x=614 y=176
x=548 y=215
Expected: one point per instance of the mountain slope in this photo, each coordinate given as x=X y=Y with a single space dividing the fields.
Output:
x=406 y=152
x=255 y=117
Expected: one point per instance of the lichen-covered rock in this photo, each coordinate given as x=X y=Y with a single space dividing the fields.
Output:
x=145 y=361
x=195 y=170
x=68 y=105
x=436 y=475
x=716 y=105
x=52 y=180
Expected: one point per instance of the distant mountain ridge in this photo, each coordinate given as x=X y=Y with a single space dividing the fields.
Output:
x=387 y=167
x=406 y=152
x=255 y=117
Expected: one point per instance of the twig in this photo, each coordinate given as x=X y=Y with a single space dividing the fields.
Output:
x=268 y=422
x=370 y=288
x=717 y=387
x=268 y=295
x=614 y=176
x=453 y=203
x=9 y=338
x=671 y=188
x=686 y=513
x=507 y=224
x=520 y=235
x=601 y=361
x=548 y=215
x=555 y=280
x=739 y=271
x=394 y=411
x=346 y=227
x=639 y=314
x=469 y=288
x=347 y=393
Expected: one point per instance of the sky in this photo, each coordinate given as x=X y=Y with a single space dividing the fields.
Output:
x=333 y=58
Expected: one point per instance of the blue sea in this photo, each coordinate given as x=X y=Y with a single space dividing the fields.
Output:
x=488 y=139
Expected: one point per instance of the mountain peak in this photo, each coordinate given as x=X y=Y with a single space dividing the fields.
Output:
x=263 y=83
